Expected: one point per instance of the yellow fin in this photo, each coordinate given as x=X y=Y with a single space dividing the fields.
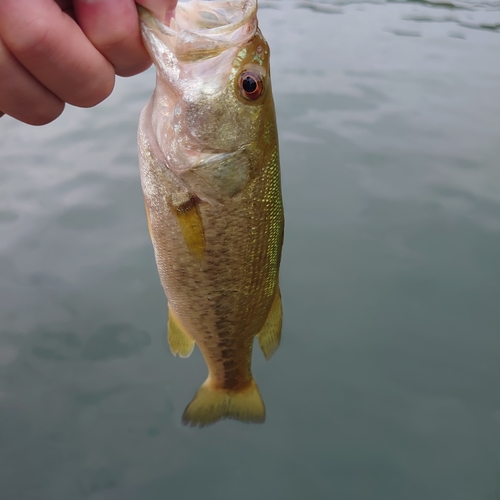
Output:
x=191 y=225
x=211 y=404
x=270 y=334
x=180 y=342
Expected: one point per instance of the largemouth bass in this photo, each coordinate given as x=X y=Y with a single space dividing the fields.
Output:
x=208 y=149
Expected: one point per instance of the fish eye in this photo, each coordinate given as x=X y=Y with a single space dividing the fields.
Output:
x=251 y=85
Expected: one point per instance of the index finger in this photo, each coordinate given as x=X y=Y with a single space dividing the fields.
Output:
x=52 y=47
x=113 y=28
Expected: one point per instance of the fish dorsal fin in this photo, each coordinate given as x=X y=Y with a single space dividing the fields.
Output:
x=189 y=219
x=180 y=342
x=270 y=334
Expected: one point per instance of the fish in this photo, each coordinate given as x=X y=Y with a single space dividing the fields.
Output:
x=210 y=175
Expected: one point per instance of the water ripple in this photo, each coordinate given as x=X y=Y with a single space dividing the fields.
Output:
x=116 y=341
x=329 y=6
x=430 y=15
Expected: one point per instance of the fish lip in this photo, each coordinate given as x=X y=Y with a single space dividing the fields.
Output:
x=246 y=10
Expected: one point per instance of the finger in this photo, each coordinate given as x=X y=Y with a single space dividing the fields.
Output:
x=65 y=4
x=162 y=9
x=113 y=28
x=23 y=97
x=52 y=47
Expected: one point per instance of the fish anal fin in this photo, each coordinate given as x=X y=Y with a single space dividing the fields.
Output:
x=212 y=404
x=270 y=334
x=189 y=219
x=180 y=342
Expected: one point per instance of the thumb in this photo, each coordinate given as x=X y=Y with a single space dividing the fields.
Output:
x=161 y=9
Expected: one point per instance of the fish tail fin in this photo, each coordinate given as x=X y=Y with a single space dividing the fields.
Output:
x=212 y=404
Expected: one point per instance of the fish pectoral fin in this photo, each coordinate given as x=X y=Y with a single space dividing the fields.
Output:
x=180 y=342
x=212 y=404
x=189 y=219
x=270 y=334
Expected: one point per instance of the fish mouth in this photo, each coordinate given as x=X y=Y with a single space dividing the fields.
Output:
x=203 y=29
x=214 y=17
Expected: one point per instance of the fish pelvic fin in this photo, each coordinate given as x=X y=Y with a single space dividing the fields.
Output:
x=180 y=342
x=212 y=404
x=270 y=334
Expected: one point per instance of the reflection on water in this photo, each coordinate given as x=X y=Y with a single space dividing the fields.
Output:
x=386 y=383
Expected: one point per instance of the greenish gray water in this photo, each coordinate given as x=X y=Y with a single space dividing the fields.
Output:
x=386 y=385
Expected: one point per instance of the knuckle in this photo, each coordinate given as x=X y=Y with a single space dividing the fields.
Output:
x=34 y=40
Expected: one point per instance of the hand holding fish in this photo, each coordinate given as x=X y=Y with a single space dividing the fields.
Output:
x=54 y=52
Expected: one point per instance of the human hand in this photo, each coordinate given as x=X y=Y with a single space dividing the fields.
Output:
x=54 y=52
